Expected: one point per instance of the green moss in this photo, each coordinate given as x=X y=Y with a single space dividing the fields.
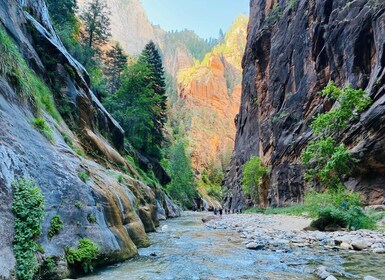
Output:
x=56 y=226
x=17 y=72
x=43 y=128
x=28 y=209
x=83 y=176
x=86 y=252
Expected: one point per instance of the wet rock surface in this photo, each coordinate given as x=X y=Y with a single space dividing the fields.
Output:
x=112 y=209
x=286 y=63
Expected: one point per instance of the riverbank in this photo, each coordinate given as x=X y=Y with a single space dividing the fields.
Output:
x=283 y=233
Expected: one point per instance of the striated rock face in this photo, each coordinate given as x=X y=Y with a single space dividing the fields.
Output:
x=285 y=65
x=209 y=95
x=124 y=208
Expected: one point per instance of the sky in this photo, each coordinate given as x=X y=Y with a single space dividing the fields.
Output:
x=205 y=17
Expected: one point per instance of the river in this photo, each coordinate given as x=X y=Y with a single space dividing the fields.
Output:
x=189 y=250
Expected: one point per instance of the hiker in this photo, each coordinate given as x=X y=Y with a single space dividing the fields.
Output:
x=215 y=211
x=220 y=212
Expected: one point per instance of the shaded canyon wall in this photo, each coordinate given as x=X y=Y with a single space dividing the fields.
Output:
x=294 y=48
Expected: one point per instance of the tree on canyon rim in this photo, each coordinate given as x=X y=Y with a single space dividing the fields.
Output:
x=96 y=23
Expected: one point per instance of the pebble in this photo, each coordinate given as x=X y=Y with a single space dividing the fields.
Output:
x=255 y=246
x=255 y=229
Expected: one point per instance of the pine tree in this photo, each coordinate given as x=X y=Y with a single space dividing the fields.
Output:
x=151 y=56
x=97 y=23
x=115 y=62
x=135 y=107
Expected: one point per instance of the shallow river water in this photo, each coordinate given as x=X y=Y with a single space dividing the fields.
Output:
x=189 y=250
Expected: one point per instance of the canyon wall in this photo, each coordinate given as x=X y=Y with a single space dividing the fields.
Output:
x=294 y=48
x=209 y=96
x=80 y=171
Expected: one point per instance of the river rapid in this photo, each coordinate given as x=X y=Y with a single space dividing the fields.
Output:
x=187 y=249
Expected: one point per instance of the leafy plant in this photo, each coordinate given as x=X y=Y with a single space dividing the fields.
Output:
x=56 y=226
x=253 y=171
x=43 y=128
x=325 y=159
x=83 y=176
x=86 y=252
x=91 y=218
x=28 y=209
x=183 y=186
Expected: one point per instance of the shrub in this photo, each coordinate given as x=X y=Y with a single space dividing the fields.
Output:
x=43 y=128
x=338 y=207
x=56 y=226
x=83 y=176
x=253 y=171
x=91 y=218
x=28 y=208
x=79 y=204
x=68 y=141
x=86 y=252
x=326 y=160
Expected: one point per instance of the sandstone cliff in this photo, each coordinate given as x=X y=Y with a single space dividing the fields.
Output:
x=294 y=49
x=209 y=96
x=123 y=208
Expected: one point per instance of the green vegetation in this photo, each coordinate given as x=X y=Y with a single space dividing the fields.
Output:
x=212 y=181
x=274 y=15
x=326 y=160
x=28 y=209
x=79 y=204
x=335 y=207
x=68 y=141
x=43 y=128
x=116 y=62
x=83 y=175
x=253 y=171
x=96 y=23
x=182 y=187
x=86 y=252
x=120 y=178
x=17 y=72
x=231 y=49
x=140 y=104
x=188 y=39
x=56 y=226
x=91 y=218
